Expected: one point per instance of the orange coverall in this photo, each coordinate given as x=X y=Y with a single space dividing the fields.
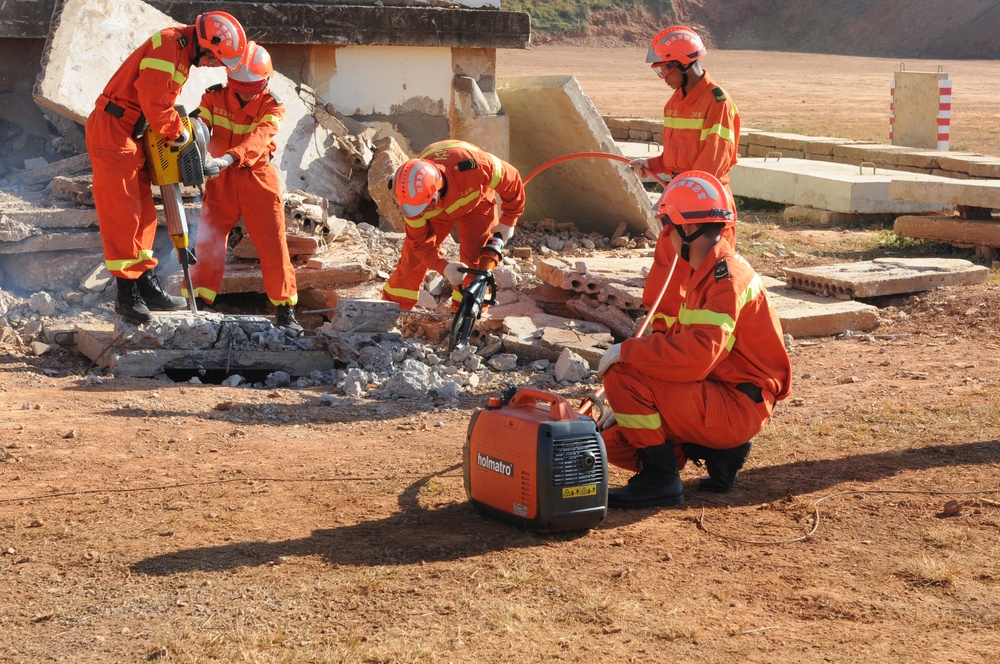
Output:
x=680 y=383
x=147 y=83
x=249 y=188
x=701 y=131
x=474 y=179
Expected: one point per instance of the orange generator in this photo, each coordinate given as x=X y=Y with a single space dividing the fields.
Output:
x=540 y=466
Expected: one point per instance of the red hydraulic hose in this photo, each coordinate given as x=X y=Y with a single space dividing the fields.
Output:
x=585 y=155
x=591 y=399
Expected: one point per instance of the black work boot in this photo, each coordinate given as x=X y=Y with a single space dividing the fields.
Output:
x=286 y=319
x=723 y=465
x=157 y=299
x=657 y=484
x=130 y=304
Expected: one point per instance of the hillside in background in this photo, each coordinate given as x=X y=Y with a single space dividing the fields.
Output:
x=885 y=28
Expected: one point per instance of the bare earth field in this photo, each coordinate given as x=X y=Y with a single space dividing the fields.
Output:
x=151 y=521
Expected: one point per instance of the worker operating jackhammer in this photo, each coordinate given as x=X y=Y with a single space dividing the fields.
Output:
x=143 y=91
x=705 y=382
x=451 y=183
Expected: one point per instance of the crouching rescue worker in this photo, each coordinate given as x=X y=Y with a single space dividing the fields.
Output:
x=144 y=90
x=703 y=384
x=244 y=116
x=451 y=183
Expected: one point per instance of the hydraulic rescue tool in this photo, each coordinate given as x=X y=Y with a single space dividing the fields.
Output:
x=170 y=167
x=480 y=292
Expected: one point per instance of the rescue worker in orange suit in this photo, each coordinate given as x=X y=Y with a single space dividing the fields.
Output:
x=701 y=125
x=702 y=384
x=144 y=90
x=450 y=183
x=244 y=116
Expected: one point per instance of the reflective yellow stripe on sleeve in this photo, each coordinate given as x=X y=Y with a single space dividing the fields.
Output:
x=667 y=320
x=497 y=172
x=724 y=133
x=206 y=115
x=164 y=66
x=156 y=40
x=240 y=129
x=651 y=421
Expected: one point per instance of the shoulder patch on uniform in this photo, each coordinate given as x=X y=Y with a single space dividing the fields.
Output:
x=466 y=165
x=275 y=97
x=721 y=270
x=214 y=88
x=720 y=94
x=183 y=41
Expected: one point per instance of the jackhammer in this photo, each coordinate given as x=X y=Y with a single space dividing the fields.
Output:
x=170 y=167
x=480 y=292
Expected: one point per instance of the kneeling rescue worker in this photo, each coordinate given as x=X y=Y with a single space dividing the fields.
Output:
x=704 y=383
x=451 y=183
x=144 y=90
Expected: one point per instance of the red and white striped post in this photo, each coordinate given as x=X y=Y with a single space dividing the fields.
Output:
x=944 y=114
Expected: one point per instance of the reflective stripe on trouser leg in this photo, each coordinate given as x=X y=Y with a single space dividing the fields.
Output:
x=122 y=196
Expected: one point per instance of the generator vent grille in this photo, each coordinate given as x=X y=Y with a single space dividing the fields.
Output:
x=577 y=461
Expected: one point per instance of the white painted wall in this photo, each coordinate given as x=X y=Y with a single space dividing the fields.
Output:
x=373 y=79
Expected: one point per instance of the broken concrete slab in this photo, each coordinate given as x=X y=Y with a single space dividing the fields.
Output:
x=388 y=157
x=951 y=230
x=805 y=314
x=75 y=69
x=550 y=117
x=367 y=315
x=51 y=217
x=824 y=185
x=328 y=272
x=65 y=167
x=74 y=240
x=886 y=276
x=133 y=352
x=948 y=191
x=543 y=337
x=45 y=271
x=617 y=281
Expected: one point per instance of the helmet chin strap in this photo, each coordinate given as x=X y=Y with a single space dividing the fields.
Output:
x=686 y=239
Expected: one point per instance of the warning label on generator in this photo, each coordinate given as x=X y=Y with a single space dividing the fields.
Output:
x=579 y=491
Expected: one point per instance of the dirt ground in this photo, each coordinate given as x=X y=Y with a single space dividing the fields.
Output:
x=151 y=521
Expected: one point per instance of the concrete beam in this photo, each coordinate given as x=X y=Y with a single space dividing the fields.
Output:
x=550 y=116
x=951 y=230
x=824 y=185
x=588 y=340
x=321 y=23
x=886 y=276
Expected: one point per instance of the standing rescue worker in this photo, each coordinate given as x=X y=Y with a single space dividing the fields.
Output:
x=451 y=183
x=701 y=129
x=703 y=385
x=244 y=117
x=142 y=91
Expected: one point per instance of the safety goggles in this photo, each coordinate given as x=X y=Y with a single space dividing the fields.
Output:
x=663 y=69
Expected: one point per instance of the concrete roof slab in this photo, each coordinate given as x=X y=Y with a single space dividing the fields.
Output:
x=886 y=276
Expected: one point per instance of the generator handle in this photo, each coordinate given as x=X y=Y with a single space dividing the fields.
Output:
x=559 y=408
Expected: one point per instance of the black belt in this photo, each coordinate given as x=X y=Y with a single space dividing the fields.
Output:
x=116 y=111
x=751 y=391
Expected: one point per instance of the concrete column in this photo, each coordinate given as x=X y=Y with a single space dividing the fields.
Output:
x=920 y=109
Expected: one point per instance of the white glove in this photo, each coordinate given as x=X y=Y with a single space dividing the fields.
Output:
x=639 y=166
x=452 y=274
x=222 y=163
x=611 y=356
x=607 y=420
x=180 y=140
x=506 y=232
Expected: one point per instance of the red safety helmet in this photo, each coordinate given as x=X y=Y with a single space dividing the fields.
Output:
x=222 y=35
x=696 y=197
x=250 y=77
x=416 y=183
x=675 y=44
